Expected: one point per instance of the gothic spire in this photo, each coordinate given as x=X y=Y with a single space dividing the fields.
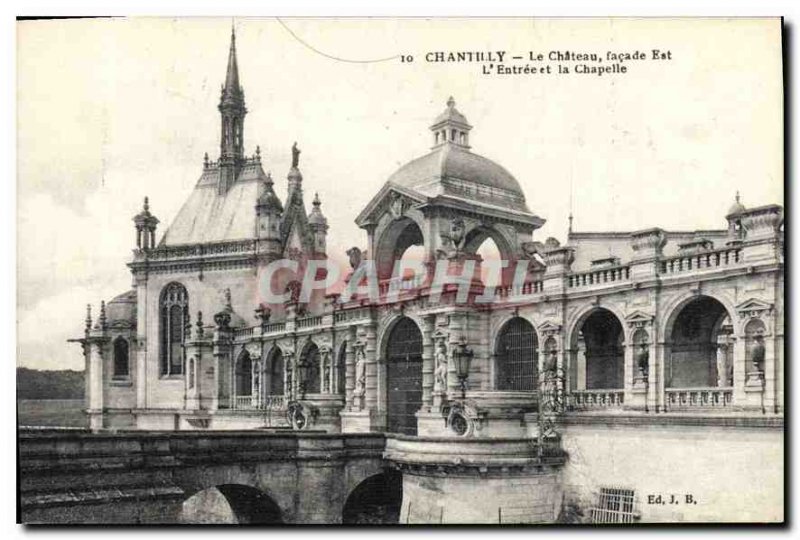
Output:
x=232 y=89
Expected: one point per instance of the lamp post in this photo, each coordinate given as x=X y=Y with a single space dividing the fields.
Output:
x=462 y=357
x=302 y=374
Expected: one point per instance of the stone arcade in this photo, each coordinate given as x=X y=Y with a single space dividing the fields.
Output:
x=669 y=353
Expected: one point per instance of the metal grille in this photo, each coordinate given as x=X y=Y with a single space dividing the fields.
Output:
x=614 y=505
x=516 y=356
x=404 y=377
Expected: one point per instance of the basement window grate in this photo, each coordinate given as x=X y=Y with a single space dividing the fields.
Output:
x=614 y=505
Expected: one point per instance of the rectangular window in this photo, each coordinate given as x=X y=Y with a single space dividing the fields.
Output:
x=614 y=505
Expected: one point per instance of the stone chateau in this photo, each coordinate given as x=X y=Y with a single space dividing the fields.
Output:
x=593 y=384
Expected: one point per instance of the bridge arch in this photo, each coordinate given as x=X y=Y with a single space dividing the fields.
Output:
x=375 y=500
x=231 y=503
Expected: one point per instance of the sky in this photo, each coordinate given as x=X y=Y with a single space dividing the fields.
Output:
x=112 y=110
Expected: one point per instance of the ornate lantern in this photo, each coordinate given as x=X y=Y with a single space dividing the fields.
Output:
x=462 y=358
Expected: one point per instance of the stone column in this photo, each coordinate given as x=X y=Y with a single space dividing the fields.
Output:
x=374 y=390
x=427 y=360
x=738 y=344
x=769 y=374
x=140 y=282
x=658 y=383
x=350 y=367
x=653 y=378
x=457 y=333
x=94 y=375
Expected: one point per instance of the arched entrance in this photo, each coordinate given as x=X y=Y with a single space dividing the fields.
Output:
x=515 y=357
x=598 y=345
x=230 y=503
x=403 y=377
x=375 y=501
x=700 y=351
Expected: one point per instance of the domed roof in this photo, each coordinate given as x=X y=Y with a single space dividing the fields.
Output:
x=451 y=169
x=737 y=207
x=122 y=307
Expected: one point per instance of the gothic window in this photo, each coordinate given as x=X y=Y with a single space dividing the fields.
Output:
x=121 y=361
x=516 y=356
x=174 y=317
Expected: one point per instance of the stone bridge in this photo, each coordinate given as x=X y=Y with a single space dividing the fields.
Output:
x=169 y=477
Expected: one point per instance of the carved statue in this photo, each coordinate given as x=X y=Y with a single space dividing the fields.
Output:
x=453 y=240
x=326 y=372
x=757 y=353
x=293 y=288
x=643 y=359
x=722 y=365
x=295 y=155
x=361 y=375
x=354 y=254
x=440 y=373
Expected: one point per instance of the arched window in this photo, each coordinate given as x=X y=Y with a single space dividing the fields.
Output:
x=516 y=357
x=311 y=357
x=121 y=360
x=244 y=374
x=174 y=318
x=276 y=373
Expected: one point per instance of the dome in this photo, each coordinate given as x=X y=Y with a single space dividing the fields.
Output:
x=737 y=207
x=453 y=170
x=122 y=308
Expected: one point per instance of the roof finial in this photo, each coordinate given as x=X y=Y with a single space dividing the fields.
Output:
x=258 y=152
x=101 y=320
x=570 y=223
x=146 y=204
x=88 y=317
x=316 y=201
x=295 y=155
x=451 y=102
x=737 y=197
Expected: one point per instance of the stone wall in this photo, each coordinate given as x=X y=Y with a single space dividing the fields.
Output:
x=732 y=469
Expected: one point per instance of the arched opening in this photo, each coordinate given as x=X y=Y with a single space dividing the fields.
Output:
x=492 y=248
x=515 y=357
x=401 y=235
x=599 y=349
x=275 y=373
x=311 y=358
x=404 y=377
x=121 y=359
x=491 y=271
x=173 y=322
x=698 y=333
x=231 y=504
x=375 y=501
x=244 y=375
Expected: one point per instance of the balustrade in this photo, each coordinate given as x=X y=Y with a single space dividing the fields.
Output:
x=251 y=403
x=700 y=261
x=599 y=277
x=699 y=398
x=597 y=399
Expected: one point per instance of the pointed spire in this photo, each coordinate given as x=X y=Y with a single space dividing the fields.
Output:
x=316 y=217
x=101 y=320
x=232 y=74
